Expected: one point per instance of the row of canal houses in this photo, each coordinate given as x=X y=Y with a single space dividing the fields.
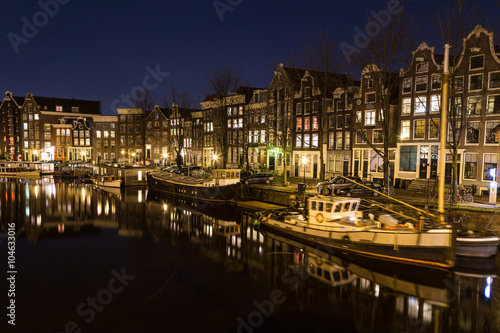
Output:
x=304 y=120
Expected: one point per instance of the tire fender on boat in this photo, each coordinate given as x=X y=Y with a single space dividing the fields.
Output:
x=346 y=239
x=320 y=218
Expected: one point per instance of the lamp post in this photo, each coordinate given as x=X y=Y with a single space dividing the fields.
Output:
x=493 y=187
x=214 y=158
x=304 y=162
x=165 y=160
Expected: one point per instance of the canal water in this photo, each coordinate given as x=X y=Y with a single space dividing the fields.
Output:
x=87 y=260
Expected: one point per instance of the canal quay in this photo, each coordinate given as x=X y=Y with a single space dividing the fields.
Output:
x=87 y=260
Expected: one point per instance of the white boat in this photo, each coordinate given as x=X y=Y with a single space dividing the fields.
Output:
x=17 y=171
x=337 y=223
x=471 y=244
x=107 y=181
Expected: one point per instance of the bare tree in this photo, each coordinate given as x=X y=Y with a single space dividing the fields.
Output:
x=221 y=82
x=454 y=21
x=389 y=50
x=180 y=95
x=145 y=101
x=320 y=55
x=181 y=100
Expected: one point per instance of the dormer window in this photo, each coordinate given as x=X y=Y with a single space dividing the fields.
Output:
x=75 y=109
x=422 y=67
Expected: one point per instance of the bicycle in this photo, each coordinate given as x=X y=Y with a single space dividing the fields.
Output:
x=388 y=191
x=467 y=196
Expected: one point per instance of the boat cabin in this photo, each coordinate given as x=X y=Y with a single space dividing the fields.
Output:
x=223 y=177
x=322 y=208
x=226 y=228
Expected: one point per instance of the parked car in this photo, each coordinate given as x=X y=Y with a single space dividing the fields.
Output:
x=333 y=185
x=257 y=178
x=187 y=170
x=357 y=190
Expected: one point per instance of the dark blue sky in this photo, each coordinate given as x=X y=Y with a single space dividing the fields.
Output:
x=101 y=50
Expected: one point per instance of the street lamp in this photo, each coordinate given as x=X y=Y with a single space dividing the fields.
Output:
x=493 y=187
x=215 y=157
x=304 y=162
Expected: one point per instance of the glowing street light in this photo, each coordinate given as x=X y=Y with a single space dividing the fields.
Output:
x=215 y=157
x=493 y=187
x=304 y=162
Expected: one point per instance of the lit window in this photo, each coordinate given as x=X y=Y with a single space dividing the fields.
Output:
x=474 y=106
x=369 y=118
x=419 y=129
x=405 y=129
x=435 y=103
x=406 y=106
x=420 y=104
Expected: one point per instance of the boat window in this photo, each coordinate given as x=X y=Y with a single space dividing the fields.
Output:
x=328 y=207
x=228 y=174
x=313 y=205
x=338 y=208
x=320 y=206
x=336 y=276
x=237 y=174
x=311 y=269
x=319 y=271
x=354 y=205
x=345 y=207
x=328 y=276
x=232 y=174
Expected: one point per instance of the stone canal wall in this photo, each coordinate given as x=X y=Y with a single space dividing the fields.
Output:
x=270 y=195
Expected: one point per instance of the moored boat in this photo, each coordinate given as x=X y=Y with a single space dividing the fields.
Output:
x=338 y=223
x=474 y=245
x=107 y=181
x=224 y=186
x=17 y=171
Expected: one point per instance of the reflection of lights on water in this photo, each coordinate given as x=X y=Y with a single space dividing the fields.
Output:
x=139 y=196
x=99 y=208
x=165 y=207
x=27 y=193
x=377 y=290
x=27 y=211
x=83 y=194
x=113 y=208
x=106 y=208
x=39 y=220
x=60 y=228
x=36 y=191
x=487 y=289
x=261 y=250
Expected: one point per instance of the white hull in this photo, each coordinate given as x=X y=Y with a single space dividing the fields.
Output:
x=477 y=247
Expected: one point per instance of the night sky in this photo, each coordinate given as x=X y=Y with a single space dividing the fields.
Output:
x=99 y=50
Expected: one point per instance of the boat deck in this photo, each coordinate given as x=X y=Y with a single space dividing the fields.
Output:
x=188 y=180
x=258 y=205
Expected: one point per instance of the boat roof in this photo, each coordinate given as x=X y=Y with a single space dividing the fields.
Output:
x=325 y=198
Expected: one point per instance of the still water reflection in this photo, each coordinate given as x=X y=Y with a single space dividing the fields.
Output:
x=96 y=261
